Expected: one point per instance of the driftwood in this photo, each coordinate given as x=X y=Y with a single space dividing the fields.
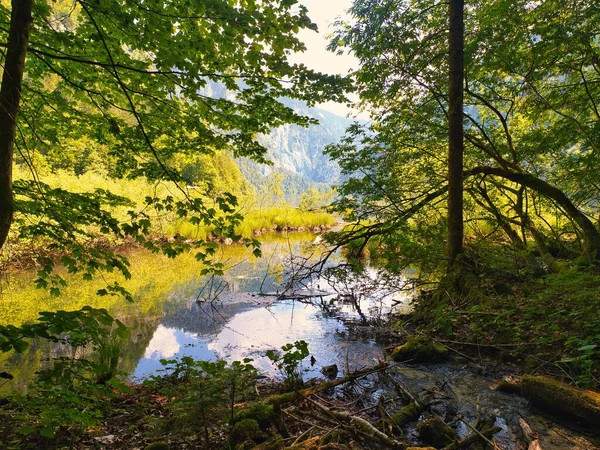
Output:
x=410 y=412
x=531 y=436
x=288 y=397
x=294 y=295
x=354 y=424
x=556 y=397
x=473 y=438
x=562 y=399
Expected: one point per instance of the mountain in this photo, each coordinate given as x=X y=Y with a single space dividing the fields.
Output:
x=297 y=152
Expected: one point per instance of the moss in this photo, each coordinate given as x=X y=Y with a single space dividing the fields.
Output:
x=281 y=399
x=432 y=431
x=420 y=349
x=332 y=437
x=261 y=412
x=563 y=399
x=157 y=446
x=246 y=430
x=407 y=414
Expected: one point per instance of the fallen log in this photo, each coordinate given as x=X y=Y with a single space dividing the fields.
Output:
x=355 y=423
x=294 y=295
x=562 y=399
x=288 y=397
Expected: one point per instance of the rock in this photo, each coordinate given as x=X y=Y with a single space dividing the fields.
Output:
x=577 y=404
x=432 y=431
x=227 y=241
x=330 y=371
x=420 y=349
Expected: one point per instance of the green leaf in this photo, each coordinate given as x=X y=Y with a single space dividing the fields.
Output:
x=47 y=432
x=20 y=346
x=26 y=431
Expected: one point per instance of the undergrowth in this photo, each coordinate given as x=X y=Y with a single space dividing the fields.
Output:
x=512 y=306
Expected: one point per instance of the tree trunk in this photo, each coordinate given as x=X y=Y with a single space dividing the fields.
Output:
x=591 y=235
x=10 y=97
x=454 y=245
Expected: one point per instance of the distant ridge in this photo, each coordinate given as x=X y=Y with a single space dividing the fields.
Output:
x=297 y=152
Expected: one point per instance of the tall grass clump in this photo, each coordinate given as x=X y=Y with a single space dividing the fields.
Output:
x=282 y=217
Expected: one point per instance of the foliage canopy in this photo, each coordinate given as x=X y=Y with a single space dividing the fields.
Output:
x=153 y=88
x=531 y=122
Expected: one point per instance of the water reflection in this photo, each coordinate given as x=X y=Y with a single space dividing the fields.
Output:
x=170 y=343
x=250 y=333
x=176 y=315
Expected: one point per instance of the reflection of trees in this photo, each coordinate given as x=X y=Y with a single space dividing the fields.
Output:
x=40 y=354
x=204 y=318
x=141 y=330
x=162 y=296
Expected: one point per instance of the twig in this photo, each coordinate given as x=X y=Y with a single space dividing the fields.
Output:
x=479 y=434
x=520 y=344
x=531 y=437
x=299 y=438
x=360 y=425
x=290 y=396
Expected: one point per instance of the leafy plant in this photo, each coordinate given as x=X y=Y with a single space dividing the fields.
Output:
x=204 y=393
x=290 y=362
x=71 y=395
x=584 y=364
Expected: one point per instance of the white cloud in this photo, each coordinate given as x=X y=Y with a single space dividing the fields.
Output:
x=163 y=344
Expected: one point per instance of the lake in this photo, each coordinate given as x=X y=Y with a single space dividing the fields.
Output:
x=179 y=313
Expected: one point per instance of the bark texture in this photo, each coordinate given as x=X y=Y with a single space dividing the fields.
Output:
x=455 y=124
x=10 y=99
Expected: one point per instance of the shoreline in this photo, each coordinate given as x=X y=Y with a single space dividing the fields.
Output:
x=29 y=258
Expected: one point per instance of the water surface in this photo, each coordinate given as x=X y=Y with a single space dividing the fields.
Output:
x=179 y=313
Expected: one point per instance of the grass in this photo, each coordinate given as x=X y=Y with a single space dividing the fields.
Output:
x=255 y=218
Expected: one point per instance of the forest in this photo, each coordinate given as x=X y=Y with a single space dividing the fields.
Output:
x=129 y=134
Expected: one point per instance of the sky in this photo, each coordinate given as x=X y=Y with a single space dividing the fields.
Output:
x=324 y=13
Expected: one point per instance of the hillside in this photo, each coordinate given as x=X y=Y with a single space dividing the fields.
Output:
x=297 y=152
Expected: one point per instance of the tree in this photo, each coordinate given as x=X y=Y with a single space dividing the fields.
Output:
x=148 y=80
x=10 y=100
x=454 y=246
x=530 y=112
